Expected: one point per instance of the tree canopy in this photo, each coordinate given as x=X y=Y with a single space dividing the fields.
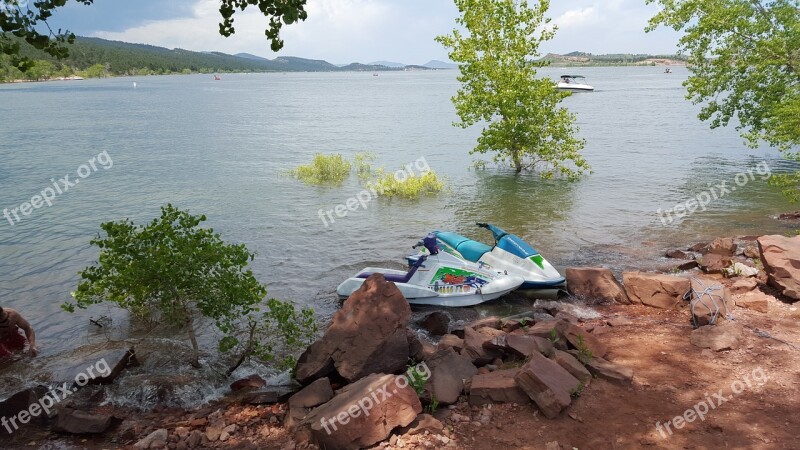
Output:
x=29 y=21
x=744 y=63
x=498 y=60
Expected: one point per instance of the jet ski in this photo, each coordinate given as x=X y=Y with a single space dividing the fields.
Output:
x=439 y=279
x=510 y=255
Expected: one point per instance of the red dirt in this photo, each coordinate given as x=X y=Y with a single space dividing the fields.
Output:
x=670 y=377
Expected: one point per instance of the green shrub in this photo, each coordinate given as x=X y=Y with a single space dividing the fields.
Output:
x=411 y=187
x=175 y=271
x=363 y=163
x=325 y=169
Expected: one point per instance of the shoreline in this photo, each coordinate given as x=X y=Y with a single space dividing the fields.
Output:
x=620 y=326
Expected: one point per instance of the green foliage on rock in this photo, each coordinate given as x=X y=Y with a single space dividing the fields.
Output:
x=174 y=271
x=744 y=61
x=524 y=124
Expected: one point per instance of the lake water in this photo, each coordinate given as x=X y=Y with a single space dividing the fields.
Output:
x=221 y=147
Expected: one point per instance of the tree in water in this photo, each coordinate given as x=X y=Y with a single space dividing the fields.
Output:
x=524 y=122
x=173 y=271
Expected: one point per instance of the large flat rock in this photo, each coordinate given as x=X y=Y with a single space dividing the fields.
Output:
x=548 y=384
x=781 y=258
x=361 y=414
x=368 y=335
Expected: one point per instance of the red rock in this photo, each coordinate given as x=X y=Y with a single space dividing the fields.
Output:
x=656 y=290
x=679 y=254
x=725 y=336
x=607 y=370
x=781 y=258
x=496 y=387
x=756 y=300
x=156 y=439
x=473 y=345
x=301 y=403
x=722 y=246
x=343 y=422
x=451 y=341
x=521 y=345
x=448 y=370
x=269 y=395
x=418 y=349
x=548 y=384
x=422 y=424
x=21 y=401
x=699 y=247
x=688 y=265
x=549 y=329
x=253 y=381
x=751 y=251
x=595 y=284
x=367 y=335
x=714 y=263
x=436 y=323
x=118 y=356
x=716 y=298
x=491 y=322
x=743 y=285
x=512 y=325
x=573 y=366
x=578 y=337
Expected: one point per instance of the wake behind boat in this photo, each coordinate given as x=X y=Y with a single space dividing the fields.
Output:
x=574 y=83
x=440 y=279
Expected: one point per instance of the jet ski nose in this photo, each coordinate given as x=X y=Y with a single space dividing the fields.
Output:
x=501 y=284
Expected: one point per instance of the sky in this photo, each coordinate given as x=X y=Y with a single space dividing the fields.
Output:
x=345 y=31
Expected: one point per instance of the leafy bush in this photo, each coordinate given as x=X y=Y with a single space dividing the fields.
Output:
x=325 y=169
x=363 y=163
x=172 y=270
x=411 y=187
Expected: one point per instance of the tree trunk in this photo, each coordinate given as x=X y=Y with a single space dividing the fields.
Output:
x=517 y=158
x=195 y=347
x=247 y=351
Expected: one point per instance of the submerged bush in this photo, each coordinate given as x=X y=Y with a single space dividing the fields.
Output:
x=410 y=186
x=363 y=161
x=325 y=169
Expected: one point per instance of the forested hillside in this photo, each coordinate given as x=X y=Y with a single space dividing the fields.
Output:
x=93 y=57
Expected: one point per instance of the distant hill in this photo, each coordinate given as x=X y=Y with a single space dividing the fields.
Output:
x=106 y=57
x=250 y=56
x=573 y=59
x=436 y=64
x=390 y=64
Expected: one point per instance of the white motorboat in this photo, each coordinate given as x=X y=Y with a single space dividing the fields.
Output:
x=575 y=83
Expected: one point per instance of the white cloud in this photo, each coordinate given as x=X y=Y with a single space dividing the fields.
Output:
x=577 y=17
x=344 y=31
